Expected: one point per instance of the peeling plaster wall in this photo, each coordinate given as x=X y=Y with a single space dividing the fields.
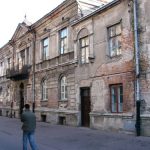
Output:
x=101 y=71
x=144 y=47
x=104 y=70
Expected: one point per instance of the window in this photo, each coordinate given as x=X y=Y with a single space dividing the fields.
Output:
x=18 y=58
x=63 y=40
x=63 y=85
x=114 y=37
x=44 y=90
x=2 y=68
x=22 y=54
x=44 y=47
x=9 y=63
x=28 y=94
x=28 y=56
x=116 y=98
x=1 y=89
x=8 y=93
x=84 y=50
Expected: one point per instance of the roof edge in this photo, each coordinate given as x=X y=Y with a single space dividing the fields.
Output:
x=101 y=9
x=48 y=14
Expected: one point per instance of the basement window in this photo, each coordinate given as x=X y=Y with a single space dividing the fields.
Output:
x=62 y=120
x=43 y=118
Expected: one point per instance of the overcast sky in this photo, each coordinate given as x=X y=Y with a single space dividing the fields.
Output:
x=12 y=13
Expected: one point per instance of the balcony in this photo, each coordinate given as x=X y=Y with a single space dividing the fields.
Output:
x=16 y=73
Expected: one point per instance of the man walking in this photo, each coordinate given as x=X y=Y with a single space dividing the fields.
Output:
x=29 y=124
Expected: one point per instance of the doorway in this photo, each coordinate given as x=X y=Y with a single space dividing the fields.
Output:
x=21 y=98
x=85 y=107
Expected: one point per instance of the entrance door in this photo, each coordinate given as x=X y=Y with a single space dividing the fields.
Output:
x=21 y=97
x=85 y=107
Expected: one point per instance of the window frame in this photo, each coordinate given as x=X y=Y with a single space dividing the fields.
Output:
x=114 y=37
x=63 y=88
x=8 y=93
x=84 y=50
x=44 y=89
x=9 y=63
x=62 y=39
x=22 y=56
x=2 y=68
x=1 y=90
x=45 y=48
x=118 y=97
x=27 y=55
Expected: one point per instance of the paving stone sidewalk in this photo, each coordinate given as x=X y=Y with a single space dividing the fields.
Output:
x=57 y=137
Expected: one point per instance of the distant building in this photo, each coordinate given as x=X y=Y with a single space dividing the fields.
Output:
x=78 y=66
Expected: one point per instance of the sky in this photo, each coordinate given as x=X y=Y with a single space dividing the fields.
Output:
x=12 y=12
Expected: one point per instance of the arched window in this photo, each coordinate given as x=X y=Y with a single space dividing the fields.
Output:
x=44 y=90
x=63 y=88
x=84 y=50
x=83 y=38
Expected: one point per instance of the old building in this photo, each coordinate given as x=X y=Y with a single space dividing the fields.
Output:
x=76 y=66
x=144 y=57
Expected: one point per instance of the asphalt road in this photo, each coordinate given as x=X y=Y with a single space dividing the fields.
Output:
x=57 y=137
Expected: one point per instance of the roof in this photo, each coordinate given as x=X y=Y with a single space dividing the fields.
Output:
x=99 y=10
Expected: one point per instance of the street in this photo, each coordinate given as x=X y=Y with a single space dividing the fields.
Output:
x=57 y=137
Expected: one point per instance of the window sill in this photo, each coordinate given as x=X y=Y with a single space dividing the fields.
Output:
x=63 y=100
x=44 y=100
x=112 y=115
x=115 y=56
x=86 y=63
x=91 y=59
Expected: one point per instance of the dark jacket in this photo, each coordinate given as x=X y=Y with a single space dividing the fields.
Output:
x=29 y=121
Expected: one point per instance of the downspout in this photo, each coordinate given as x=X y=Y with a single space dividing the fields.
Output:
x=33 y=70
x=137 y=57
x=13 y=59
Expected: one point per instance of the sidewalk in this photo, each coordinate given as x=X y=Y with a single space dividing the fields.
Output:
x=57 y=137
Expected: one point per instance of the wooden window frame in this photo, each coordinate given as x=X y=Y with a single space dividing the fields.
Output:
x=63 y=88
x=118 y=97
x=114 y=37
x=62 y=40
x=84 y=50
x=22 y=54
x=44 y=48
x=44 y=90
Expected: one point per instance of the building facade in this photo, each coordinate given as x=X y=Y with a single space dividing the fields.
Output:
x=77 y=67
x=144 y=56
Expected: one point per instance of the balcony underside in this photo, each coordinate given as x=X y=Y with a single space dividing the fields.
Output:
x=19 y=77
x=18 y=74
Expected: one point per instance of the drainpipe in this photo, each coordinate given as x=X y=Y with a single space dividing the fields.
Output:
x=13 y=57
x=137 y=57
x=33 y=70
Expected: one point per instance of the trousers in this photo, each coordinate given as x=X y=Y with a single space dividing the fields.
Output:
x=29 y=136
